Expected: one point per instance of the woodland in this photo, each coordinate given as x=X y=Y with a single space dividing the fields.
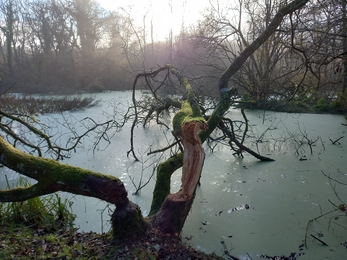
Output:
x=289 y=55
x=72 y=46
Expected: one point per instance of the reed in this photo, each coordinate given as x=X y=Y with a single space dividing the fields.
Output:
x=45 y=105
x=49 y=212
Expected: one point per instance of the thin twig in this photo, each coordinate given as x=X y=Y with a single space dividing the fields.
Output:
x=319 y=240
x=336 y=141
x=339 y=182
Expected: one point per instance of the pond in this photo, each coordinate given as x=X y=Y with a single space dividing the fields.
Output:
x=245 y=208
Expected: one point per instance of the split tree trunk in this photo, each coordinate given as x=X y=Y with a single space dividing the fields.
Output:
x=187 y=124
x=171 y=216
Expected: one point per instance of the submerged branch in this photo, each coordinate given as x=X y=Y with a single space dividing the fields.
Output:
x=165 y=148
x=336 y=141
x=330 y=178
x=231 y=135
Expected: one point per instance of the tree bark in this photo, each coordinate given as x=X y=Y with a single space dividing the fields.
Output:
x=163 y=182
x=172 y=214
x=127 y=222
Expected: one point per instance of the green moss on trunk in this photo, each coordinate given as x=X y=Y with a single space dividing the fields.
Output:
x=163 y=182
x=128 y=222
x=53 y=176
x=218 y=113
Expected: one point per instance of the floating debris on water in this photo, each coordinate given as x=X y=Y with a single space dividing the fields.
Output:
x=241 y=207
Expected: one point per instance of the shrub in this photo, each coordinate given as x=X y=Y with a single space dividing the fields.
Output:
x=321 y=106
x=95 y=86
x=340 y=103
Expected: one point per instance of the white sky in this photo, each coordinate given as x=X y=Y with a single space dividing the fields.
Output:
x=186 y=11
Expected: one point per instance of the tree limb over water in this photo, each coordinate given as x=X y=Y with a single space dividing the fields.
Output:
x=52 y=176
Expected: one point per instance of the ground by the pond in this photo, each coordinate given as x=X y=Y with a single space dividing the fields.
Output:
x=19 y=242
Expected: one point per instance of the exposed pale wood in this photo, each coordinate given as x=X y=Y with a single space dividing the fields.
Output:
x=193 y=158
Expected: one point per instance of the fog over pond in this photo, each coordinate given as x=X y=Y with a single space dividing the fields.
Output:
x=243 y=205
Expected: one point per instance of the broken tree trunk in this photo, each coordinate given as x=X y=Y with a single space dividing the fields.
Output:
x=187 y=124
x=171 y=216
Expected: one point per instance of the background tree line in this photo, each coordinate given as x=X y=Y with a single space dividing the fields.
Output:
x=75 y=45
x=303 y=63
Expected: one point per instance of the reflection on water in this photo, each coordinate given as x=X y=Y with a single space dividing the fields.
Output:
x=243 y=205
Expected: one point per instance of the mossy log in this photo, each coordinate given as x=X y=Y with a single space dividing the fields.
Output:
x=52 y=176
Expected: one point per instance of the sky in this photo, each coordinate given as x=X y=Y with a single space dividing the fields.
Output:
x=183 y=11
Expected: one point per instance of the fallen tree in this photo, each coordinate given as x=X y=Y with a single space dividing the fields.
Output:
x=190 y=127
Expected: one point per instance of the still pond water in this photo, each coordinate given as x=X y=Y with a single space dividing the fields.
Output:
x=244 y=206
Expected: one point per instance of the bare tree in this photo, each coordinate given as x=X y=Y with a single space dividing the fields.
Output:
x=302 y=61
